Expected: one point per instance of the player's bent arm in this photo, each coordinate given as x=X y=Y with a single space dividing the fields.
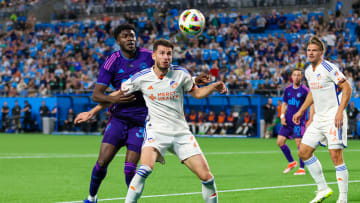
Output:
x=99 y=95
x=203 y=92
x=346 y=94
x=308 y=101
x=283 y=109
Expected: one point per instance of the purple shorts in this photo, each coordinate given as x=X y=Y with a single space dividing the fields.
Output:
x=120 y=132
x=291 y=132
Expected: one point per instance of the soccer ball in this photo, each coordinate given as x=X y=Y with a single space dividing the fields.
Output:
x=191 y=22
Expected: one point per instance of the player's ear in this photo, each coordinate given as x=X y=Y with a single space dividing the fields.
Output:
x=153 y=55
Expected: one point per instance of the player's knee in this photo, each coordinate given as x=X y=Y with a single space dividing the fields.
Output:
x=280 y=143
x=102 y=162
x=303 y=154
x=206 y=176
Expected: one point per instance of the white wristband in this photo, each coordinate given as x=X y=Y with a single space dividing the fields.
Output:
x=193 y=79
x=282 y=116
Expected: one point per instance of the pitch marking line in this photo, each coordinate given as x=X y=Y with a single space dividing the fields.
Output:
x=46 y=156
x=220 y=191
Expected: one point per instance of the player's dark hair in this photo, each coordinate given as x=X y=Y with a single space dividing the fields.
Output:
x=163 y=42
x=317 y=41
x=121 y=28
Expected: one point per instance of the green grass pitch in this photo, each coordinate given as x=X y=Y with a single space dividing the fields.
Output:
x=38 y=168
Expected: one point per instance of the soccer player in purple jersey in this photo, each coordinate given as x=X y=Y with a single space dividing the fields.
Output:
x=128 y=112
x=294 y=97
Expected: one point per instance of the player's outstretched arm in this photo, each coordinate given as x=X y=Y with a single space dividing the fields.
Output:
x=203 y=92
x=346 y=94
x=306 y=104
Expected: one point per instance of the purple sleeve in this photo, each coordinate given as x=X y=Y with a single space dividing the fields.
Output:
x=285 y=97
x=106 y=71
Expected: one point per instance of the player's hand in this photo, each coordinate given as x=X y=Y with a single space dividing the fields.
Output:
x=220 y=87
x=202 y=79
x=297 y=116
x=339 y=119
x=123 y=97
x=83 y=117
x=283 y=121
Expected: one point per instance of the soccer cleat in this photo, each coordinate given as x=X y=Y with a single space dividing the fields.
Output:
x=322 y=194
x=300 y=171
x=341 y=201
x=290 y=166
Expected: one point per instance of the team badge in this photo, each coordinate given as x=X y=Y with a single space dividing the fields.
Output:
x=298 y=95
x=318 y=76
x=173 y=84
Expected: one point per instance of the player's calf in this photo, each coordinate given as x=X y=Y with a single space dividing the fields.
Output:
x=137 y=184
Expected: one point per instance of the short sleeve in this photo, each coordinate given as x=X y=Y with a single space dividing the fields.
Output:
x=188 y=83
x=130 y=85
x=106 y=71
x=336 y=75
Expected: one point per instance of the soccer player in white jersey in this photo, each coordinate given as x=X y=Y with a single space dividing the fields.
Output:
x=163 y=87
x=330 y=93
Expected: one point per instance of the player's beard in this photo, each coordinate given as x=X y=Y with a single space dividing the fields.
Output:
x=162 y=68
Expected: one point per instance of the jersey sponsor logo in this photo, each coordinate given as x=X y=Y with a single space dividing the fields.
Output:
x=173 y=84
x=294 y=102
x=315 y=85
x=164 y=96
x=152 y=97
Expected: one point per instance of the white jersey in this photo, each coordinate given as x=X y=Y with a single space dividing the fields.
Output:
x=326 y=95
x=164 y=98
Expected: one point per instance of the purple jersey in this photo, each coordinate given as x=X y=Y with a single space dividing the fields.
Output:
x=116 y=70
x=294 y=98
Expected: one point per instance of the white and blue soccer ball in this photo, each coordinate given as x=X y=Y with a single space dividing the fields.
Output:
x=191 y=22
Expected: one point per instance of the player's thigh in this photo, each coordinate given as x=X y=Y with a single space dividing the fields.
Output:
x=185 y=146
x=198 y=165
x=157 y=141
x=107 y=153
x=298 y=142
x=313 y=135
x=116 y=132
x=134 y=142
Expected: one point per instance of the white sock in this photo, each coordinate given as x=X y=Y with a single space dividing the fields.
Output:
x=342 y=177
x=315 y=169
x=209 y=191
x=136 y=186
x=92 y=198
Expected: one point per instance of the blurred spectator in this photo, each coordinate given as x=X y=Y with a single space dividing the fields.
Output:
x=44 y=110
x=16 y=115
x=221 y=123
x=69 y=122
x=5 y=117
x=352 y=113
x=211 y=123
x=269 y=111
x=245 y=125
x=230 y=122
x=192 y=121
x=27 y=122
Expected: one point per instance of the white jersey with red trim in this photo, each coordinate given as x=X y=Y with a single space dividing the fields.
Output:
x=164 y=98
x=323 y=82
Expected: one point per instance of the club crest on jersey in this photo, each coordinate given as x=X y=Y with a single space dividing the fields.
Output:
x=173 y=84
x=298 y=95
x=143 y=65
x=318 y=76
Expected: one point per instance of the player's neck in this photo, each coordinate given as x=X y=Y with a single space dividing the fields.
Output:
x=315 y=64
x=127 y=54
x=160 y=72
x=295 y=86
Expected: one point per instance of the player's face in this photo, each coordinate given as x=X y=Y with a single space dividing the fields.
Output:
x=314 y=53
x=127 y=40
x=163 y=57
x=296 y=77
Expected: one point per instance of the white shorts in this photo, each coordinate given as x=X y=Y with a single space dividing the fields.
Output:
x=325 y=133
x=184 y=146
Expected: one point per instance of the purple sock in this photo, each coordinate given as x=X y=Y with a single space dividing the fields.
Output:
x=98 y=174
x=286 y=150
x=302 y=164
x=130 y=171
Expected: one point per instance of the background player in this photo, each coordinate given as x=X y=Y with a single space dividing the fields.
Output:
x=294 y=97
x=330 y=93
x=163 y=89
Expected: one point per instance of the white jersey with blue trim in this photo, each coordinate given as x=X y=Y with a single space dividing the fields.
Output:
x=323 y=82
x=164 y=98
